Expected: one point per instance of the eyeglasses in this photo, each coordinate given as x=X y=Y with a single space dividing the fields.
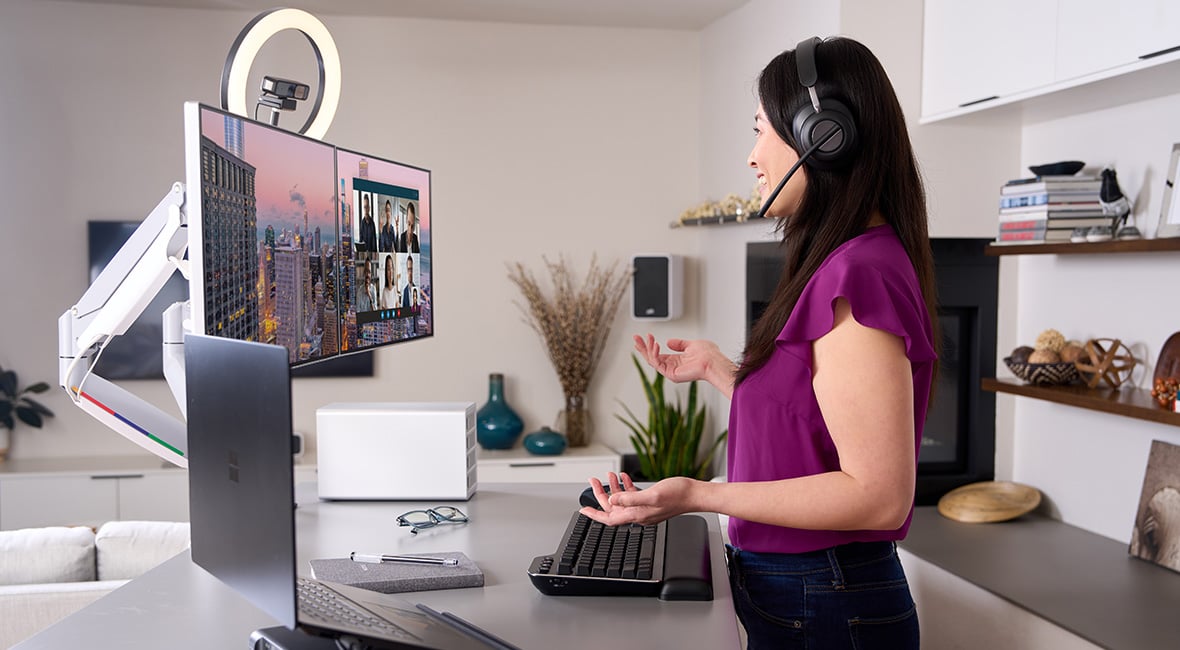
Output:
x=431 y=517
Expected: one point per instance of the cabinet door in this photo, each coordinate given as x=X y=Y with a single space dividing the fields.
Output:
x=974 y=51
x=154 y=496
x=1161 y=24
x=537 y=470
x=32 y=501
x=1096 y=35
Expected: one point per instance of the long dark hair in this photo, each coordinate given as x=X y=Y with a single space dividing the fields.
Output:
x=838 y=204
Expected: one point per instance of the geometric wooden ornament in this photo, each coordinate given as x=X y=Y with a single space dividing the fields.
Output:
x=1105 y=360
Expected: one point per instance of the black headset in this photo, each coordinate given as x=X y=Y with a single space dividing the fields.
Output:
x=815 y=120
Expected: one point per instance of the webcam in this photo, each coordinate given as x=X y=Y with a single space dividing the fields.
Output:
x=280 y=95
x=284 y=88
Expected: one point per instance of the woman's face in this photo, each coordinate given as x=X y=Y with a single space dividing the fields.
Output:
x=386 y=216
x=770 y=159
x=389 y=271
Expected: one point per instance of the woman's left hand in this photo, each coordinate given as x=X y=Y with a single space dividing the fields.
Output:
x=627 y=504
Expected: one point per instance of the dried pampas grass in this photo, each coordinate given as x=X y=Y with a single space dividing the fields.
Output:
x=573 y=320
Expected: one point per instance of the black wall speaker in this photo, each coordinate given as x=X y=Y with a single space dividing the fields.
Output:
x=657 y=287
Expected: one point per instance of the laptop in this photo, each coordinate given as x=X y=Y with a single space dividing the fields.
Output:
x=242 y=511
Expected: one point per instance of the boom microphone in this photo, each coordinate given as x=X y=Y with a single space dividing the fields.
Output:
x=791 y=172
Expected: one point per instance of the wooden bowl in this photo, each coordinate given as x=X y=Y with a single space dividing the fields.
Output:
x=1043 y=374
x=988 y=501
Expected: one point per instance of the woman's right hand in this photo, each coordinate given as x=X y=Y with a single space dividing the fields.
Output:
x=697 y=359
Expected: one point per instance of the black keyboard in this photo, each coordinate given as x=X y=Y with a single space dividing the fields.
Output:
x=669 y=560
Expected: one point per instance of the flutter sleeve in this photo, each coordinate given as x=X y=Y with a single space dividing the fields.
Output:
x=884 y=299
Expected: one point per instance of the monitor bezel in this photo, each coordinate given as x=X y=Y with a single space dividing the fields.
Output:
x=192 y=208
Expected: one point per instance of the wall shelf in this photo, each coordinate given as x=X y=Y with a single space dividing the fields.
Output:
x=1088 y=248
x=714 y=220
x=1127 y=401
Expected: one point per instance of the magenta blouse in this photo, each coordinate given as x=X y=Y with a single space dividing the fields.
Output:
x=776 y=430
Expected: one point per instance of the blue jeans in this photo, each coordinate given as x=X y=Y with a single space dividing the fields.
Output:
x=850 y=596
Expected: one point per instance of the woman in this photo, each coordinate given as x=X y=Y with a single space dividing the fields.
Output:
x=389 y=294
x=832 y=390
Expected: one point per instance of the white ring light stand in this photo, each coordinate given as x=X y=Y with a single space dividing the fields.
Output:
x=256 y=33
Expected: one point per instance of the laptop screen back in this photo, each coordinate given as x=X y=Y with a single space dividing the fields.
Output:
x=241 y=487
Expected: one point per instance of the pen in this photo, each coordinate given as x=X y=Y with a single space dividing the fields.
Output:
x=408 y=559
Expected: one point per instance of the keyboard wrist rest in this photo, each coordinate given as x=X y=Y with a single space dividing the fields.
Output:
x=688 y=573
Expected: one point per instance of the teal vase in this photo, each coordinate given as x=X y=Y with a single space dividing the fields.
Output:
x=497 y=426
x=545 y=442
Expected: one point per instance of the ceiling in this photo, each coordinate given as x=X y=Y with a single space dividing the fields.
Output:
x=648 y=14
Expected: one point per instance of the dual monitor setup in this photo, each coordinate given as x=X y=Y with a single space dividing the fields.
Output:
x=284 y=240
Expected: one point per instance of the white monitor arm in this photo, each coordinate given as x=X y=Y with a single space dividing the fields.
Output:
x=116 y=298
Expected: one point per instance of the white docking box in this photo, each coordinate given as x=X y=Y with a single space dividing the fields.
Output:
x=396 y=450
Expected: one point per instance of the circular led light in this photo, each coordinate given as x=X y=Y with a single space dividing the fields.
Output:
x=256 y=33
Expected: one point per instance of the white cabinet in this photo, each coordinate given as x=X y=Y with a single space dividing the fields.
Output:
x=1096 y=35
x=572 y=466
x=47 y=500
x=154 y=496
x=92 y=491
x=90 y=499
x=976 y=55
x=976 y=51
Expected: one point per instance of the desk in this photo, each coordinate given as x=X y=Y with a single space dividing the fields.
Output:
x=179 y=605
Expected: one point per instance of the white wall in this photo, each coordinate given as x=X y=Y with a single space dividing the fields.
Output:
x=1090 y=465
x=541 y=140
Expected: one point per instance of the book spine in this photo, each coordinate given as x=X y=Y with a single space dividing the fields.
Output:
x=1071 y=200
x=1022 y=201
x=1021 y=235
x=1058 y=186
x=1086 y=208
x=1029 y=224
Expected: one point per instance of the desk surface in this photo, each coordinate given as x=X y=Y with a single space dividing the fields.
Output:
x=1083 y=582
x=179 y=605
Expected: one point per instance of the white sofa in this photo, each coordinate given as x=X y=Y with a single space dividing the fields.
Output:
x=49 y=573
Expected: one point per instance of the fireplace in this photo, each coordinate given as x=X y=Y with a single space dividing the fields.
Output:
x=958 y=445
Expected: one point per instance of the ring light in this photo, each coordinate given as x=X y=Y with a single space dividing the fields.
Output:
x=256 y=33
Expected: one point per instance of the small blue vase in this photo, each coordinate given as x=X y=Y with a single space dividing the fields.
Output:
x=496 y=425
x=545 y=442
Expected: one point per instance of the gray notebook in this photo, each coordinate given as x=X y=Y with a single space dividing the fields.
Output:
x=395 y=577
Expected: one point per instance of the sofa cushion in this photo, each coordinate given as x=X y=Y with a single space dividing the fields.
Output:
x=51 y=554
x=126 y=549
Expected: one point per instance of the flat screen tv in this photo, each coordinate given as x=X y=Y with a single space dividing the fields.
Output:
x=138 y=353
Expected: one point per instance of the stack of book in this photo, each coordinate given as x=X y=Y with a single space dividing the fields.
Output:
x=1047 y=209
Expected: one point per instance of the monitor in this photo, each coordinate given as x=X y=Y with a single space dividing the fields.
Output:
x=297 y=243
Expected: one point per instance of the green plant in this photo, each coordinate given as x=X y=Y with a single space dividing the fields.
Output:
x=669 y=443
x=14 y=401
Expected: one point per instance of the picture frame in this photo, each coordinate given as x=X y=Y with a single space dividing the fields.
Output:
x=1169 y=223
x=1156 y=535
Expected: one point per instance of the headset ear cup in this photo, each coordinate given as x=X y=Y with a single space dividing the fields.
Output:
x=810 y=127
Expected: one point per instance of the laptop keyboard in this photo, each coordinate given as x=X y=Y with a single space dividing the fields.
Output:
x=322 y=603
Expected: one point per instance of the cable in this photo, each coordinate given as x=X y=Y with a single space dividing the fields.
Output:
x=791 y=172
x=77 y=398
